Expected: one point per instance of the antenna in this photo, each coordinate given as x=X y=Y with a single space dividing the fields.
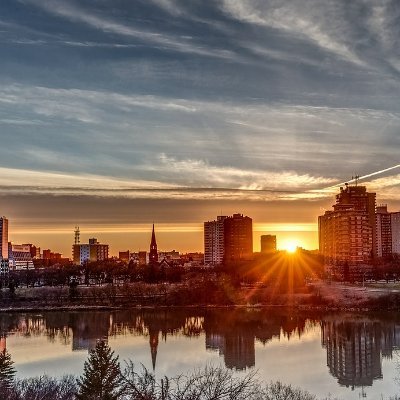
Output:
x=357 y=178
x=77 y=235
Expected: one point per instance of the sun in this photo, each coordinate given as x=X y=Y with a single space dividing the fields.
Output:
x=290 y=245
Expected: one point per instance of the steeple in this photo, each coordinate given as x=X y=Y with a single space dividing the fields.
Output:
x=153 y=347
x=153 y=255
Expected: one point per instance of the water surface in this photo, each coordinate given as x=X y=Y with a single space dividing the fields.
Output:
x=350 y=356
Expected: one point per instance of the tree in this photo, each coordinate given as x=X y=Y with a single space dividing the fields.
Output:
x=6 y=371
x=101 y=378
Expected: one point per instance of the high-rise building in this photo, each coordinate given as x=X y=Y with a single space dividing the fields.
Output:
x=4 y=238
x=228 y=239
x=383 y=232
x=153 y=254
x=238 y=238
x=395 y=225
x=357 y=198
x=347 y=235
x=268 y=243
x=92 y=251
x=214 y=241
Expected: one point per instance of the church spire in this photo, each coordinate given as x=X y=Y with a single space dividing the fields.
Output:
x=153 y=348
x=153 y=255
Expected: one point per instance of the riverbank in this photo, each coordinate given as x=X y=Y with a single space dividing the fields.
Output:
x=317 y=296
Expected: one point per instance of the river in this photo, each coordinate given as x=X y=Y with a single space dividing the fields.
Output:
x=350 y=356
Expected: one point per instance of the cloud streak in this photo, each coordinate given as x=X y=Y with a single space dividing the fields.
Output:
x=107 y=25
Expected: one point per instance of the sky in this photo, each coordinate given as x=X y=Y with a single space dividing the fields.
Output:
x=115 y=114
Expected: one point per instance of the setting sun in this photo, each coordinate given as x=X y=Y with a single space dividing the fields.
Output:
x=290 y=245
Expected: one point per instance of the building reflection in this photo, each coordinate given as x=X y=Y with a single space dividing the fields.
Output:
x=232 y=333
x=88 y=329
x=355 y=348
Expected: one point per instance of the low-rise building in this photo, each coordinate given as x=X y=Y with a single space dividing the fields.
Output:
x=20 y=257
x=92 y=251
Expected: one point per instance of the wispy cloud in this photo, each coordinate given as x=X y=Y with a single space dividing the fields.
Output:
x=306 y=20
x=109 y=25
x=19 y=178
x=200 y=173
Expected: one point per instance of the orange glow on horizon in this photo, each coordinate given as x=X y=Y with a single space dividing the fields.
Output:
x=182 y=236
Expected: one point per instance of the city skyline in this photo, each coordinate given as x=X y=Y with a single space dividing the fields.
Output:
x=136 y=236
x=119 y=114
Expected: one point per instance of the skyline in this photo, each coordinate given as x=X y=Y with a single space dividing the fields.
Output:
x=114 y=115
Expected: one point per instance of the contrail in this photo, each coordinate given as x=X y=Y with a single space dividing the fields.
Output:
x=364 y=176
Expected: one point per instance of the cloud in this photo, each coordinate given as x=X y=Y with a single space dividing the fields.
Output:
x=169 y=5
x=308 y=20
x=200 y=173
x=108 y=25
x=237 y=144
x=19 y=178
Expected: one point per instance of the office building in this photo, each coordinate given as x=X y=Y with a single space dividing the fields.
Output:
x=214 y=241
x=90 y=252
x=268 y=244
x=35 y=251
x=383 y=232
x=20 y=257
x=238 y=238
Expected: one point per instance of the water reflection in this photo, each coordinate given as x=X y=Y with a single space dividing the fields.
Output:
x=355 y=346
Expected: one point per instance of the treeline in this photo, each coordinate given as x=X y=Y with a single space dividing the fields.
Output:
x=379 y=269
x=279 y=270
x=103 y=379
x=91 y=273
x=276 y=268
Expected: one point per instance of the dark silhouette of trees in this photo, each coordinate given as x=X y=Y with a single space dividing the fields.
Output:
x=101 y=378
x=43 y=388
x=7 y=372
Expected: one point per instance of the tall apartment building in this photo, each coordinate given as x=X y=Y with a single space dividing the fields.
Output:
x=395 y=227
x=214 y=241
x=4 y=262
x=268 y=243
x=238 y=238
x=92 y=251
x=359 y=199
x=3 y=238
x=348 y=233
x=383 y=232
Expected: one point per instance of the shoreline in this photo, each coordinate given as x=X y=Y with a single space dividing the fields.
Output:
x=317 y=297
x=299 y=308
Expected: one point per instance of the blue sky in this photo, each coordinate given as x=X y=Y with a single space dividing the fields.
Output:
x=267 y=101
